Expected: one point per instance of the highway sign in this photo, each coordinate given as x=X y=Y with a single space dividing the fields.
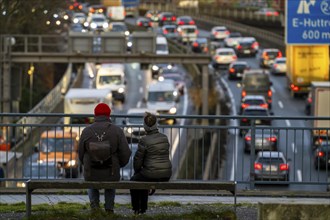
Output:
x=307 y=22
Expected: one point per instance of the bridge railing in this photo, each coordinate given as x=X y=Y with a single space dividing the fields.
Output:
x=221 y=150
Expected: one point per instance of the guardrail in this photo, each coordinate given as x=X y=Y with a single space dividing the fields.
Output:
x=232 y=159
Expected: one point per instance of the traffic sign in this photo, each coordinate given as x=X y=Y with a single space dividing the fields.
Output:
x=307 y=22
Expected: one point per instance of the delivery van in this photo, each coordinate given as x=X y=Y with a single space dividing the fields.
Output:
x=161 y=45
x=116 y=13
x=112 y=76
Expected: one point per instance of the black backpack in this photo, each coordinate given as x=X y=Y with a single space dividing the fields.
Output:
x=100 y=152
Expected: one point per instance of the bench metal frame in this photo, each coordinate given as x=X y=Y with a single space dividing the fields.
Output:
x=31 y=185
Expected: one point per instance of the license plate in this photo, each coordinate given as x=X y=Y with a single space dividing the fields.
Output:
x=246 y=51
x=271 y=168
x=258 y=121
x=259 y=142
x=239 y=74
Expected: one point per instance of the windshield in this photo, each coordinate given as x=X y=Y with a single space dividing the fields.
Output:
x=40 y=171
x=98 y=20
x=119 y=28
x=256 y=80
x=161 y=96
x=103 y=80
x=138 y=121
x=162 y=47
x=56 y=144
x=268 y=160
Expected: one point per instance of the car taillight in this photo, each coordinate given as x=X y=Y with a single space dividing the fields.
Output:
x=150 y=24
x=309 y=100
x=272 y=139
x=234 y=57
x=268 y=13
x=279 y=54
x=165 y=31
x=243 y=93
x=173 y=18
x=245 y=105
x=195 y=44
x=232 y=70
x=284 y=166
x=216 y=57
x=140 y=23
x=269 y=93
x=191 y=22
x=276 y=13
x=248 y=138
x=163 y=18
x=196 y=32
x=244 y=119
x=227 y=32
x=320 y=154
x=275 y=65
x=181 y=23
x=264 y=105
x=238 y=47
x=265 y=56
x=294 y=88
x=255 y=45
x=257 y=166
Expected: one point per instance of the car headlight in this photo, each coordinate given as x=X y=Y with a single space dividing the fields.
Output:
x=129 y=44
x=105 y=25
x=130 y=130
x=121 y=90
x=93 y=25
x=72 y=163
x=175 y=93
x=126 y=33
x=173 y=110
x=161 y=78
x=76 y=20
x=86 y=24
x=155 y=68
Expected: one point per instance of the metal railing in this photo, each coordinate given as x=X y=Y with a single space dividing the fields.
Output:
x=225 y=150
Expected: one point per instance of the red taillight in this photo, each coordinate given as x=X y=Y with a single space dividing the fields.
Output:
x=227 y=32
x=257 y=166
x=275 y=65
x=265 y=105
x=244 y=120
x=238 y=47
x=196 y=32
x=309 y=100
x=150 y=24
x=164 y=19
x=165 y=31
x=255 y=45
x=140 y=23
x=272 y=139
x=284 y=166
x=320 y=154
x=181 y=23
x=294 y=88
x=173 y=18
x=216 y=57
x=244 y=105
x=276 y=13
x=191 y=22
x=270 y=93
x=265 y=56
x=279 y=54
x=248 y=138
x=234 y=57
x=232 y=70
x=243 y=93
x=195 y=44
x=268 y=13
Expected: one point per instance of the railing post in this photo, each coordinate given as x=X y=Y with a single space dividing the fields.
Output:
x=252 y=153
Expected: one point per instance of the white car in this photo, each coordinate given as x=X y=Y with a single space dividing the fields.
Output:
x=133 y=129
x=224 y=57
x=279 y=66
x=232 y=39
x=187 y=33
x=78 y=17
x=97 y=22
x=219 y=33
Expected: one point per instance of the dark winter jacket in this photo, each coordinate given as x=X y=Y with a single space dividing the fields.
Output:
x=120 y=150
x=152 y=156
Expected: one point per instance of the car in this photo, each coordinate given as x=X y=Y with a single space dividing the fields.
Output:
x=187 y=33
x=308 y=104
x=265 y=139
x=322 y=155
x=271 y=165
x=156 y=69
x=200 y=45
x=268 y=56
x=133 y=129
x=162 y=45
x=119 y=27
x=129 y=43
x=236 y=69
x=128 y=170
x=253 y=100
x=79 y=17
x=279 y=66
x=153 y=15
x=267 y=12
x=177 y=78
x=169 y=31
x=97 y=22
x=223 y=57
x=143 y=22
x=254 y=111
x=247 y=46
x=166 y=18
x=219 y=33
x=232 y=39
x=184 y=20
x=77 y=27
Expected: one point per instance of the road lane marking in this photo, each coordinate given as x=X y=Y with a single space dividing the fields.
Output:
x=294 y=149
x=299 y=176
x=139 y=77
x=280 y=104
x=273 y=90
x=138 y=105
x=141 y=89
x=288 y=123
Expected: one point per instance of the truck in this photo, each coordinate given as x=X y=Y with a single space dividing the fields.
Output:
x=83 y=101
x=306 y=63
x=131 y=6
x=320 y=108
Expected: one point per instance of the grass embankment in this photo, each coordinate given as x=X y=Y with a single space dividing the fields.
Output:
x=161 y=211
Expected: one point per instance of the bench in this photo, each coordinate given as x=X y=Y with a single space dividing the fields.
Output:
x=31 y=185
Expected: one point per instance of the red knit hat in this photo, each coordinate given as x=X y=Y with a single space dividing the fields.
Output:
x=102 y=109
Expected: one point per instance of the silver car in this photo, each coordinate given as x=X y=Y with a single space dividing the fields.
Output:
x=271 y=165
x=279 y=66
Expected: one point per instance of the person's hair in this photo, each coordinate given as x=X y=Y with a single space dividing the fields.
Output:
x=150 y=119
